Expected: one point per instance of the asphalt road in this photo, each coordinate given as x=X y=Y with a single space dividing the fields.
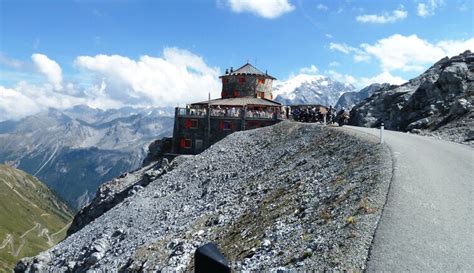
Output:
x=428 y=221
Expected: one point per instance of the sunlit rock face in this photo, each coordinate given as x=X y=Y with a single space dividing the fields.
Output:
x=439 y=102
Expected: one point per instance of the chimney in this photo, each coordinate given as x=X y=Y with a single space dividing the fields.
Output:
x=226 y=71
x=231 y=69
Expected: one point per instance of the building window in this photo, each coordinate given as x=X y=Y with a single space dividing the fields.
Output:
x=191 y=123
x=226 y=125
x=194 y=124
x=241 y=80
x=199 y=146
x=260 y=94
x=261 y=81
x=224 y=80
x=185 y=143
x=236 y=93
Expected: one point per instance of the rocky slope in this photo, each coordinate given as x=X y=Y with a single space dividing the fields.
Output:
x=75 y=150
x=310 y=89
x=287 y=196
x=349 y=99
x=32 y=218
x=438 y=102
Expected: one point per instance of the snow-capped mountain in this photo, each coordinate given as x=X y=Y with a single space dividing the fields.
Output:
x=310 y=89
x=75 y=150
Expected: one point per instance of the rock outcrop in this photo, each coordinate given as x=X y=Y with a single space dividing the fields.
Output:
x=438 y=102
x=287 y=196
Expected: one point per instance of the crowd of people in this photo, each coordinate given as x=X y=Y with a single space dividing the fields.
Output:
x=296 y=113
x=317 y=114
x=307 y=114
x=231 y=112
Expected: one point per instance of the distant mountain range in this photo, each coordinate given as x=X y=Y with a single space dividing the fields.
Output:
x=310 y=89
x=32 y=218
x=349 y=99
x=75 y=150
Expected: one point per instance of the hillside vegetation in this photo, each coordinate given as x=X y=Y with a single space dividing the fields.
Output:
x=32 y=218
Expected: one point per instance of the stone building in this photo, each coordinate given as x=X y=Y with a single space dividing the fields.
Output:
x=245 y=103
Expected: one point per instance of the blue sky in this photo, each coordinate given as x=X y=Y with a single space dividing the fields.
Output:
x=154 y=53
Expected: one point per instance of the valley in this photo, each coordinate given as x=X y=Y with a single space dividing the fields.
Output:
x=75 y=150
x=32 y=217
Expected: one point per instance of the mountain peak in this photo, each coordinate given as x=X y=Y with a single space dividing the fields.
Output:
x=310 y=89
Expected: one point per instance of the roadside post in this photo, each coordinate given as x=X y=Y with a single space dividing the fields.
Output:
x=381 y=133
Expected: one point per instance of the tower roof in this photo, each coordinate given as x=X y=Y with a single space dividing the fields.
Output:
x=248 y=69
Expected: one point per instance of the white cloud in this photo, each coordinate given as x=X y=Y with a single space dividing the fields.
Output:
x=428 y=8
x=112 y=81
x=396 y=15
x=398 y=53
x=342 y=48
x=309 y=70
x=361 y=58
x=322 y=7
x=359 y=55
x=49 y=68
x=384 y=77
x=422 y=10
x=344 y=78
x=26 y=99
x=264 y=8
x=14 y=104
x=177 y=77
x=334 y=63
x=11 y=62
x=411 y=53
x=328 y=35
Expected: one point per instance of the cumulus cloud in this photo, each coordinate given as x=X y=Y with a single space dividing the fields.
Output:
x=113 y=81
x=394 y=16
x=264 y=8
x=344 y=78
x=49 y=68
x=398 y=53
x=384 y=77
x=404 y=53
x=411 y=53
x=26 y=99
x=309 y=70
x=177 y=77
x=361 y=82
x=14 y=104
x=428 y=8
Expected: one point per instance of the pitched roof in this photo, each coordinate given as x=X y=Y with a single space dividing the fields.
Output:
x=240 y=101
x=248 y=69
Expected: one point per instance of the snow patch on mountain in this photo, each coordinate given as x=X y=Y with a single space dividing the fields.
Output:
x=310 y=89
